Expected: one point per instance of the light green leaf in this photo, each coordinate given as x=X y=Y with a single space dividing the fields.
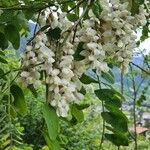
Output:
x=52 y=121
x=52 y=145
x=19 y=100
x=108 y=76
x=77 y=113
x=96 y=8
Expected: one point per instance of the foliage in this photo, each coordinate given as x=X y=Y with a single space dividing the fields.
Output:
x=78 y=44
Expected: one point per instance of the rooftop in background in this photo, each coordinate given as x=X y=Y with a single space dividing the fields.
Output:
x=139 y=130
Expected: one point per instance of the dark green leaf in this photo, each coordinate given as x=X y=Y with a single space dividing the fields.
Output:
x=19 y=100
x=87 y=79
x=135 y=6
x=72 y=17
x=82 y=106
x=2 y=60
x=12 y=34
x=83 y=90
x=96 y=8
x=77 y=55
x=118 y=139
x=3 y=41
x=2 y=74
x=2 y=53
x=145 y=32
x=116 y=121
x=64 y=7
x=141 y=100
x=54 y=34
x=51 y=120
x=109 y=96
x=33 y=90
x=116 y=111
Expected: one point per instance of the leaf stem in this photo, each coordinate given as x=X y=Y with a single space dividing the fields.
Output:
x=103 y=126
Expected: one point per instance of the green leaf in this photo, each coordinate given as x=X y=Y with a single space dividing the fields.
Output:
x=78 y=114
x=82 y=106
x=2 y=60
x=87 y=79
x=96 y=8
x=72 y=17
x=116 y=111
x=83 y=90
x=77 y=55
x=116 y=121
x=53 y=145
x=110 y=97
x=145 y=32
x=141 y=100
x=3 y=41
x=2 y=74
x=118 y=139
x=54 y=34
x=108 y=76
x=12 y=34
x=52 y=121
x=19 y=100
x=64 y=7
x=135 y=4
x=33 y=90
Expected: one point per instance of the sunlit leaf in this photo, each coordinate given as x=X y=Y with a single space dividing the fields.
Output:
x=19 y=100
x=51 y=120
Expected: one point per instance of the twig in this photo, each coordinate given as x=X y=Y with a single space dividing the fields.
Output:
x=36 y=23
x=20 y=69
x=134 y=108
x=77 y=22
x=140 y=68
x=103 y=130
x=78 y=4
x=42 y=29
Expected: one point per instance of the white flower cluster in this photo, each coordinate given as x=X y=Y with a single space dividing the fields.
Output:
x=111 y=36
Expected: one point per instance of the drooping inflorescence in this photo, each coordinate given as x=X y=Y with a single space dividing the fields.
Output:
x=66 y=50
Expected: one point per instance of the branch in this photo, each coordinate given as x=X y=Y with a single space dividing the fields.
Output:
x=76 y=6
x=37 y=23
x=42 y=29
x=19 y=69
x=140 y=68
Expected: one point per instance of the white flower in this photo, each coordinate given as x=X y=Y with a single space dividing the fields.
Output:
x=29 y=48
x=55 y=72
x=120 y=44
x=25 y=74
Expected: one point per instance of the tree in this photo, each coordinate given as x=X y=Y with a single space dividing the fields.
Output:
x=74 y=36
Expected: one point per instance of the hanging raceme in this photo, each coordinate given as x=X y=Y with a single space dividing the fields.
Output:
x=93 y=40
